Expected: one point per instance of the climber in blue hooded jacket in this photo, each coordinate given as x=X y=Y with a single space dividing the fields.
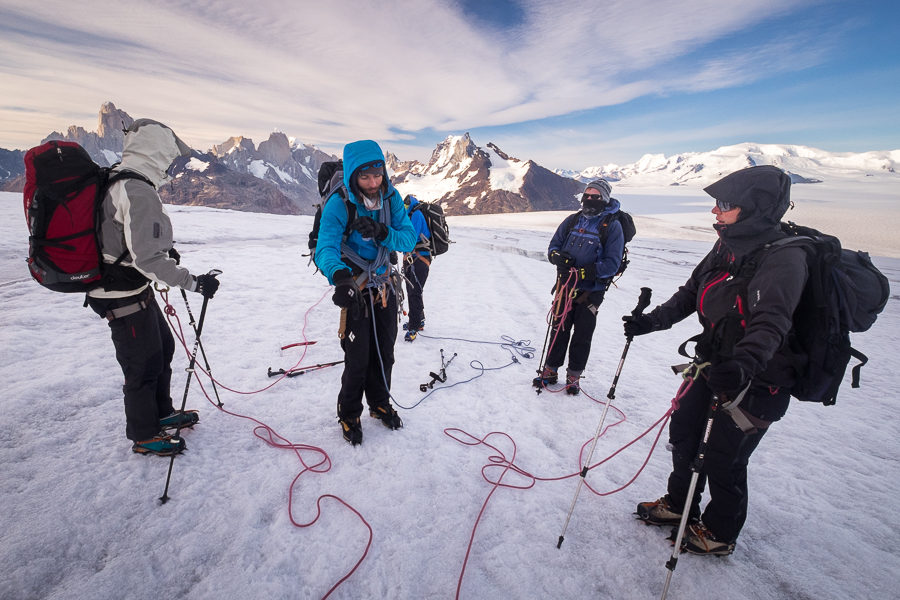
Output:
x=416 y=265
x=587 y=256
x=356 y=257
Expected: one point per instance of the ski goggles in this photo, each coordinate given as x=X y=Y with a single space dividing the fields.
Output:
x=724 y=205
x=375 y=165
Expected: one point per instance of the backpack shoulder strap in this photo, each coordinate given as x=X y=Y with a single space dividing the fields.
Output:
x=569 y=223
x=603 y=230
x=126 y=174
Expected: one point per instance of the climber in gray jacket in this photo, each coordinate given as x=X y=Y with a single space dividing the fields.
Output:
x=136 y=238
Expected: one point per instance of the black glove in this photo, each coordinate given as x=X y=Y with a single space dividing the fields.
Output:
x=563 y=260
x=369 y=228
x=207 y=285
x=726 y=379
x=173 y=253
x=346 y=294
x=588 y=273
x=638 y=325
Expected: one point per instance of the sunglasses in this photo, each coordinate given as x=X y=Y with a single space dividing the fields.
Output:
x=376 y=165
x=592 y=197
x=723 y=205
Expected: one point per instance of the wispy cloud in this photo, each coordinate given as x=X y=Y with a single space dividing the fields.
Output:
x=336 y=71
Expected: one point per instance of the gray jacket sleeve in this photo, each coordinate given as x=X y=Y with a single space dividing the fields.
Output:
x=148 y=234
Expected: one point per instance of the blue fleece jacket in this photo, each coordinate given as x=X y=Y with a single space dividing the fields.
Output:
x=423 y=234
x=583 y=244
x=401 y=236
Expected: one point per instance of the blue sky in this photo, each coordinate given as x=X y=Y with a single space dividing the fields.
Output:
x=567 y=83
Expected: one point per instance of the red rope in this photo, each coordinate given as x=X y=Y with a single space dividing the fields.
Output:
x=505 y=465
x=320 y=461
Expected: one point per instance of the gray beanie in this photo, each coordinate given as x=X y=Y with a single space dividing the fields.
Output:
x=602 y=186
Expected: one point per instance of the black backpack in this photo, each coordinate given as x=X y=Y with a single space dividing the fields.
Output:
x=845 y=293
x=330 y=179
x=63 y=198
x=437 y=225
x=628 y=231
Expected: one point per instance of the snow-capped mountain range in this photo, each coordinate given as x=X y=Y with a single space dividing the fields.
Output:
x=805 y=164
x=279 y=175
x=468 y=179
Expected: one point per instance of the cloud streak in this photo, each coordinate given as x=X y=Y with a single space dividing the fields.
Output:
x=396 y=71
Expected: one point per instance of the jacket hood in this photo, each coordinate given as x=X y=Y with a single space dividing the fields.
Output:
x=764 y=195
x=356 y=154
x=150 y=147
x=413 y=201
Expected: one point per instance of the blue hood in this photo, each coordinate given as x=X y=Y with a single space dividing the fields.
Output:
x=356 y=154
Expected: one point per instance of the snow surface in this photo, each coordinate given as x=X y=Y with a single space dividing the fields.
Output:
x=81 y=516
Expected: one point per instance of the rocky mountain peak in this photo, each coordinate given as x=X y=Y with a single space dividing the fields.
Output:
x=501 y=153
x=455 y=149
x=110 y=125
x=467 y=179
x=235 y=142
x=276 y=150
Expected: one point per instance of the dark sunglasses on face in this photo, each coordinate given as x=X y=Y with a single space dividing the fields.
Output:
x=592 y=197
x=377 y=165
x=723 y=205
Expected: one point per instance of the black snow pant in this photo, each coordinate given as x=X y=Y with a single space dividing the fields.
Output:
x=416 y=274
x=583 y=319
x=144 y=348
x=368 y=346
x=725 y=464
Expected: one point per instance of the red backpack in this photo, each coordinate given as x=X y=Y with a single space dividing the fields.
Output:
x=63 y=197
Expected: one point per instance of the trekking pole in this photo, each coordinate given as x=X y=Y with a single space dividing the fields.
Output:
x=193 y=325
x=696 y=467
x=549 y=326
x=190 y=371
x=643 y=302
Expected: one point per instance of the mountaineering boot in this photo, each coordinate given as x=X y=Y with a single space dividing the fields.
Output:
x=387 y=415
x=572 y=385
x=410 y=335
x=419 y=327
x=701 y=540
x=180 y=419
x=547 y=377
x=352 y=430
x=162 y=444
x=660 y=512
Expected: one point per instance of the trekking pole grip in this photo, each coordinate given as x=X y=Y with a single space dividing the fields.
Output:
x=643 y=301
